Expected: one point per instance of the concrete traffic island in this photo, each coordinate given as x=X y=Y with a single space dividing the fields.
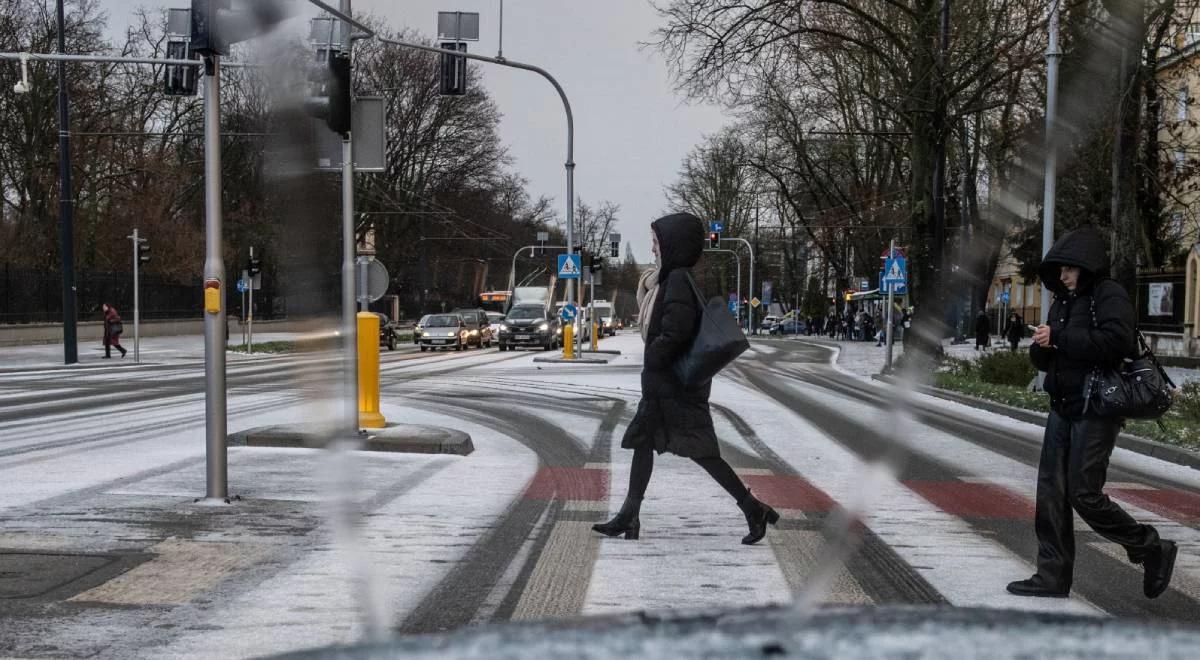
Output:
x=403 y=438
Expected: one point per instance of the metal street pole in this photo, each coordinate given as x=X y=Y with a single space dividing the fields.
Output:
x=349 y=311
x=749 y=247
x=137 y=258
x=1053 y=55
x=250 y=309
x=66 y=207
x=215 y=415
x=887 y=365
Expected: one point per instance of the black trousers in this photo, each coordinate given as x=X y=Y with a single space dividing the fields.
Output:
x=643 y=466
x=1073 y=469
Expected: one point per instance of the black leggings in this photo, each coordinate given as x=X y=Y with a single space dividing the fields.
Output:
x=717 y=468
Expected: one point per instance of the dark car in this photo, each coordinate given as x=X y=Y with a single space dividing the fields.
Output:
x=388 y=333
x=444 y=331
x=419 y=328
x=790 y=327
x=529 y=325
x=479 y=329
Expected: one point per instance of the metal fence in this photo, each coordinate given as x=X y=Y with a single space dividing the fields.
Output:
x=31 y=295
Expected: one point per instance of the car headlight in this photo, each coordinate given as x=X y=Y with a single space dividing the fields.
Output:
x=559 y=331
x=474 y=332
x=544 y=327
x=503 y=327
x=449 y=334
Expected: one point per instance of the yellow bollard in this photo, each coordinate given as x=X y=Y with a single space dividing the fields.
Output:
x=569 y=341
x=368 y=372
x=595 y=336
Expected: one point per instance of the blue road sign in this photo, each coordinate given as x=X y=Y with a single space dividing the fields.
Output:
x=1004 y=297
x=568 y=313
x=241 y=286
x=895 y=275
x=733 y=304
x=569 y=266
x=718 y=227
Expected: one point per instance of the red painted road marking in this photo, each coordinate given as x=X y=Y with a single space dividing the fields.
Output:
x=1178 y=505
x=565 y=483
x=974 y=500
x=787 y=491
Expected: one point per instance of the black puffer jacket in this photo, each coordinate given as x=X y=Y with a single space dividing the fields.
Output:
x=671 y=417
x=1079 y=342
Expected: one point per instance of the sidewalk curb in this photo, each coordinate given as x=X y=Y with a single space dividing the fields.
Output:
x=403 y=438
x=578 y=360
x=1133 y=443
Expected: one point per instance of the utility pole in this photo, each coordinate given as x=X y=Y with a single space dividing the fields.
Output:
x=349 y=245
x=137 y=317
x=1053 y=56
x=66 y=203
x=215 y=408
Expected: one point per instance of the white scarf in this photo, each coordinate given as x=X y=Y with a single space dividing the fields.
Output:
x=647 y=290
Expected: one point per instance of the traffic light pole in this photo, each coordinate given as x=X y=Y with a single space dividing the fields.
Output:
x=215 y=412
x=349 y=309
x=250 y=308
x=137 y=317
x=749 y=312
x=66 y=205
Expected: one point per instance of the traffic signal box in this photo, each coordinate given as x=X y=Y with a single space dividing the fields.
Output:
x=714 y=239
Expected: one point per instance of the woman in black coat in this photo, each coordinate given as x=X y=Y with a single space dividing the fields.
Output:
x=671 y=417
x=1015 y=330
x=1091 y=325
x=983 y=330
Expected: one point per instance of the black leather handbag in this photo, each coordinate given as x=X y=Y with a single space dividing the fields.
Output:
x=1137 y=388
x=718 y=342
x=115 y=328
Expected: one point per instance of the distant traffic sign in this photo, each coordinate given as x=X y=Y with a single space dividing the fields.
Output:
x=568 y=313
x=241 y=286
x=568 y=266
x=895 y=274
x=755 y=302
x=718 y=227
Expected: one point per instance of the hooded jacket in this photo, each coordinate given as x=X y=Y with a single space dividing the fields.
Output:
x=671 y=417
x=1092 y=326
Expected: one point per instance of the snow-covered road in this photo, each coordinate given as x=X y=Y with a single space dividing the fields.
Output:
x=102 y=467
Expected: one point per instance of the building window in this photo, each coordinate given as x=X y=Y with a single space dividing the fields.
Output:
x=1180 y=161
x=1176 y=228
x=1181 y=105
x=1193 y=33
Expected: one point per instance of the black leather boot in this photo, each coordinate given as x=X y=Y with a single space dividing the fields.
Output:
x=625 y=522
x=1159 y=567
x=757 y=517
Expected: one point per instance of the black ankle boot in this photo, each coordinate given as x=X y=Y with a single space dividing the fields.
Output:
x=757 y=517
x=625 y=522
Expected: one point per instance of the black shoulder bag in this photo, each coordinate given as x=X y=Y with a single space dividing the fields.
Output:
x=1137 y=388
x=718 y=342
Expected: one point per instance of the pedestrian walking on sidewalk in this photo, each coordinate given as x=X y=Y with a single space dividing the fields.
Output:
x=112 y=330
x=983 y=330
x=672 y=417
x=1091 y=324
x=1015 y=330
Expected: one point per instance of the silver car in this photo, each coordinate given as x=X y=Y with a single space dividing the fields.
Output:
x=444 y=331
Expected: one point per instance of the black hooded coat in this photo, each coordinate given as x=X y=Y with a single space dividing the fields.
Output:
x=1079 y=342
x=671 y=417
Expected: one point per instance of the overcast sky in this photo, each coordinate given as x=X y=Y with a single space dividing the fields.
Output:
x=631 y=130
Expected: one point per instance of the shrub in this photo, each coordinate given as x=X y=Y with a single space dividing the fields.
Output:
x=1006 y=368
x=1187 y=400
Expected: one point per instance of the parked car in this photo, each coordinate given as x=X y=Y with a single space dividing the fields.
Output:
x=768 y=323
x=494 y=320
x=479 y=329
x=389 y=335
x=418 y=328
x=445 y=331
x=529 y=325
x=790 y=327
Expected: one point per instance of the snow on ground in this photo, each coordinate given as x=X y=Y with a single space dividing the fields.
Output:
x=151 y=349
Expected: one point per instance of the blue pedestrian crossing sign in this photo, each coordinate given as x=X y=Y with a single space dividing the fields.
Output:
x=568 y=266
x=568 y=313
x=718 y=227
x=895 y=274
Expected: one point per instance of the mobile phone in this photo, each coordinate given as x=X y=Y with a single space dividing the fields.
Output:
x=1032 y=328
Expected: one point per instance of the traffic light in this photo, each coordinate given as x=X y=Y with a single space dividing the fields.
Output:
x=330 y=95
x=454 y=70
x=714 y=239
x=179 y=80
x=254 y=267
x=143 y=251
x=216 y=25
